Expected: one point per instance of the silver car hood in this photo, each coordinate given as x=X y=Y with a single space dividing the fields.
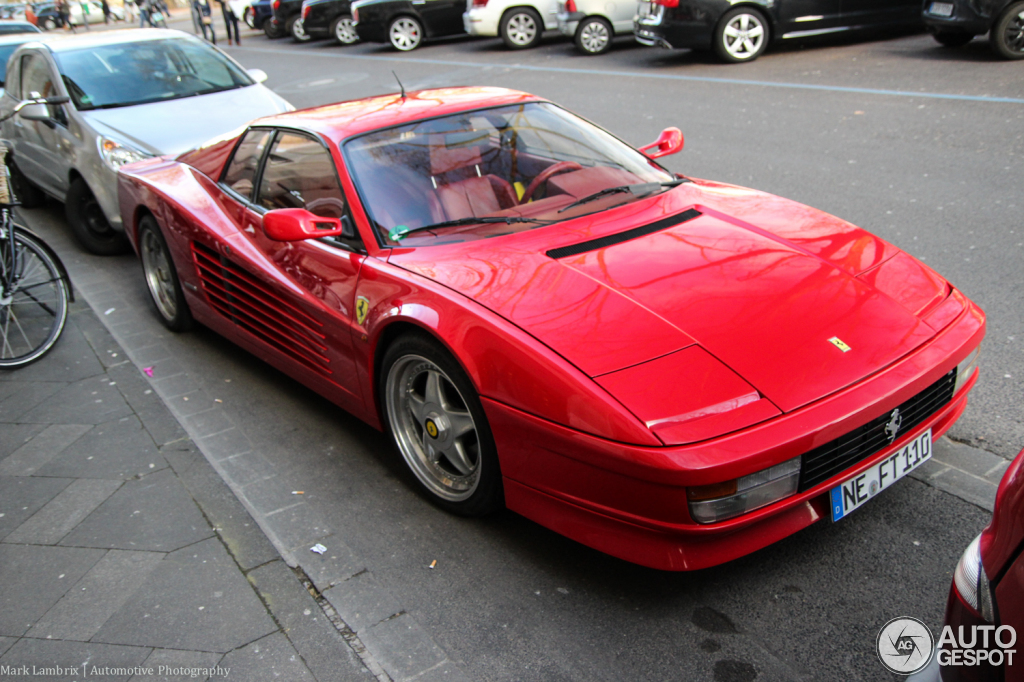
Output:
x=178 y=125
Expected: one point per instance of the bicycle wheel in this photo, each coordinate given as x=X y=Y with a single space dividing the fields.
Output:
x=33 y=302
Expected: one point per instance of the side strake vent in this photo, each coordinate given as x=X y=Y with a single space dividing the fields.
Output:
x=612 y=239
x=255 y=307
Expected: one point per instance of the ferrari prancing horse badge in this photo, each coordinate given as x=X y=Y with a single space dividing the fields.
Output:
x=362 y=309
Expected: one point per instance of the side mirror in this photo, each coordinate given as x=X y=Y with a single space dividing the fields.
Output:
x=35 y=112
x=669 y=142
x=258 y=75
x=296 y=224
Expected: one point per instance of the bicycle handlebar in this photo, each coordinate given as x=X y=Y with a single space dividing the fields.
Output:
x=60 y=99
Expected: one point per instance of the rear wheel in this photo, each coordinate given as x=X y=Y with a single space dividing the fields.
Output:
x=344 y=31
x=438 y=424
x=249 y=17
x=594 y=35
x=1008 y=33
x=741 y=35
x=405 y=33
x=295 y=29
x=161 y=277
x=89 y=224
x=521 y=28
x=953 y=38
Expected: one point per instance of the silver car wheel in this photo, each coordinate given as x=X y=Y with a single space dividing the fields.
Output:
x=594 y=37
x=521 y=29
x=298 y=32
x=433 y=428
x=156 y=265
x=345 y=31
x=405 y=33
x=743 y=36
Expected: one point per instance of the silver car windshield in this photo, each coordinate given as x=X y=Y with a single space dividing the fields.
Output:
x=151 y=71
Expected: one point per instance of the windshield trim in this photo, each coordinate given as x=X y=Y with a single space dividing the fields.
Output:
x=376 y=227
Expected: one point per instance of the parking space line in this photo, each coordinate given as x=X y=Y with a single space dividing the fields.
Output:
x=657 y=76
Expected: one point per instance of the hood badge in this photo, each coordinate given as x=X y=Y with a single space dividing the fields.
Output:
x=840 y=344
x=893 y=427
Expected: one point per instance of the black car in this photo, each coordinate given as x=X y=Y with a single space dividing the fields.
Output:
x=956 y=22
x=404 y=23
x=47 y=17
x=741 y=34
x=287 y=20
x=329 y=19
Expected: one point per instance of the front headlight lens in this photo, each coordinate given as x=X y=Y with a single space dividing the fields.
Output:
x=116 y=154
x=966 y=369
x=972 y=583
x=721 y=501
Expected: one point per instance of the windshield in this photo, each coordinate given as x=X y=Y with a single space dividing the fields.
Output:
x=516 y=167
x=151 y=71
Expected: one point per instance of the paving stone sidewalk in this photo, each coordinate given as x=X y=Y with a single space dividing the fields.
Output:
x=123 y=555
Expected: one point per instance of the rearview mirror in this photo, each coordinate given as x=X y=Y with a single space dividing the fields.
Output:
x=35 y=112
x=669 y=142
x=258 y=75
x=296 y=224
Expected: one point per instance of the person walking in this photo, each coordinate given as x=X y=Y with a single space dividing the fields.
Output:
x=143 y=6
x=64 y=13
x=205 y=14
x=230 y=20
x=106 y=11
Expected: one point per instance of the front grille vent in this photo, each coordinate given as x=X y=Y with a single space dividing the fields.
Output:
x=822 y=463
x=256 y=308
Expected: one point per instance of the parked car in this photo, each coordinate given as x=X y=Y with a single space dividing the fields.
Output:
x=407 y=23
x=8 y=27
x=987 y=593
x=260 y=16
x=134 y=93
x=741 y=34
x=46 y=15
x=674 y=371
x=329 y=19
x=288 y=16
x=956 y=22
x=520 y=23
x=593 y=23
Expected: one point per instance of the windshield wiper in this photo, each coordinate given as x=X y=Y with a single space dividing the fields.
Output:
x=400 y=232
x=638 y=190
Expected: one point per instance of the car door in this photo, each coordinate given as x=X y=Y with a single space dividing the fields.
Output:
x=43 y=150
x=441 y=17
x=807 y=17
x=873 y=12
x=302 y=304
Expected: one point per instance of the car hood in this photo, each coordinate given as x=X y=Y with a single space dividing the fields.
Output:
x=767 y=286
x=178 y=125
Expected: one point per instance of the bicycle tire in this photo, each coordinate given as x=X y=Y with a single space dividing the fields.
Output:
x=33 y=314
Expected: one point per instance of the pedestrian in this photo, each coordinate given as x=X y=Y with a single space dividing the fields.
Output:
x=143 y=6
x=106 y=11
x=205 y=14
x=64 y=15
x=85 y=14
x=230 y=20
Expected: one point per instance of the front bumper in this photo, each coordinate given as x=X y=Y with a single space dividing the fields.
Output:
x=479 y=22
x=630 y=501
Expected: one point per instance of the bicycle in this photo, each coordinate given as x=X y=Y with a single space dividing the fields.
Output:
x=35 y=290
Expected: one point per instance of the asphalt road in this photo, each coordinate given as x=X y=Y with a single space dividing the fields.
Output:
x=915 y=143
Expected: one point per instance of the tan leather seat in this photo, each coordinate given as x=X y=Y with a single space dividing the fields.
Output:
x=462 y=190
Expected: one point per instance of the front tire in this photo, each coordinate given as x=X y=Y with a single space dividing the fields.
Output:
x=521 y=28
x=89 y=224
x=594 y=36
x=344 y=31
x=435 y=417
x=295 y=29
x=161 y=278
x=741 y=36
x=405 y=33
x=1008 y=33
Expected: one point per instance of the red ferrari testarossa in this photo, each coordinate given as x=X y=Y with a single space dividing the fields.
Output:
x=674 y=371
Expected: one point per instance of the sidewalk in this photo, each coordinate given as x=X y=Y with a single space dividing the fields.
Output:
x=123 y=555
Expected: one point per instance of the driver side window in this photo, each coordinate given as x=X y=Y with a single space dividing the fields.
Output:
x=299 y=173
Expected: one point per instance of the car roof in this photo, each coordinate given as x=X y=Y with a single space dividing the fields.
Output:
x=21 y=26
x=63 y=42
x=345 y=119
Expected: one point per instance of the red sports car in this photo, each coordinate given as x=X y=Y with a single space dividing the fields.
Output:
x=674 y=371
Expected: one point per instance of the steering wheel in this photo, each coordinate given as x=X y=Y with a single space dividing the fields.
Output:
x=542 y=177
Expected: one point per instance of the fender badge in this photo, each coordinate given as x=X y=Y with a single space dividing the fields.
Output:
x=840 y=344
x=362 y=309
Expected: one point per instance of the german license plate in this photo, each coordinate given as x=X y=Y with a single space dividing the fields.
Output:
x=856 y=491
x=941 y=9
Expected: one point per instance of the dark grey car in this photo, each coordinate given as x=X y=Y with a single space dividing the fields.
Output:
x=956 y=22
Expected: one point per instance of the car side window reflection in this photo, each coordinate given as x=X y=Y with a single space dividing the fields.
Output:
x=299 y=173
x=37 y=81
x=240 y=175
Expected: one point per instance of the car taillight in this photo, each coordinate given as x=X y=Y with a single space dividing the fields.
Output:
x=570 y=6
x=276 y=4
x=971 y=582
x=667 y=3
x=355 y=15
x=305 y=11
x=479 y=3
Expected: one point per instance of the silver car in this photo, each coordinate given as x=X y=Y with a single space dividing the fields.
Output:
x=134 y=94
